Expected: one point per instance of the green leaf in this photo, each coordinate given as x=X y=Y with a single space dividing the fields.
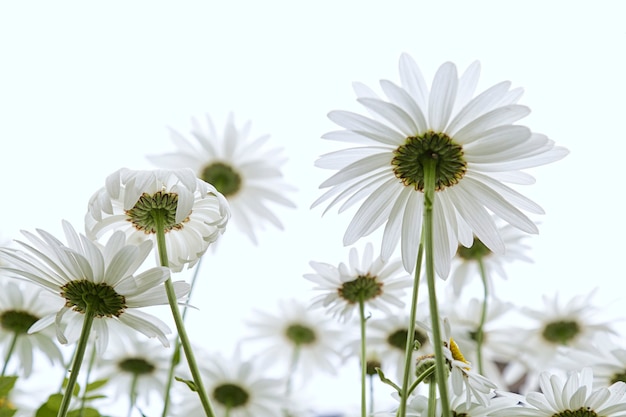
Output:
x=75 y=391
x=51 y=407
x=7 y=412
x=190 y=384
x=85 y=412
x=6 y=385
x=96 y=384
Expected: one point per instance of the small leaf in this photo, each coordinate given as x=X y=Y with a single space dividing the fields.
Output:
x=6 y=385
x=190 y=384
x=96 y=384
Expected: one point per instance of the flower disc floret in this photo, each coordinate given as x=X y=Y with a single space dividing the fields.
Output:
x=17 y=321
x=361 y=289
x=223 y=177
x=101 y=298
x=561 y=332
x=300 y=334
x=150 y=211
x=136 y=366
x=231 y=395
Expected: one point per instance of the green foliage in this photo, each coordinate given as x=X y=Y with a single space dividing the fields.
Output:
x=190 y=384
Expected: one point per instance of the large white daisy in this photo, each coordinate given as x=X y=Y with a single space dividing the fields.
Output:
x=246 y=172
x=194 y=213
x=376 y=282
x=474 y=143
x=84 y=273
x=21 y=306
x=574 y=396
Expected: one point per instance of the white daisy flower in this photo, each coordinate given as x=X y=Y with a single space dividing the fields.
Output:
x=246 y=172
x=574 y=396
x=194 y=213
x=609 y=368
x=474 y=143
x=21 y=306
x=237 y=388
x=418 y=406
x=558 y=329
x=300 y=332
x=83 y=270
x=374 y=281
x=134 y=368
x=466 y=263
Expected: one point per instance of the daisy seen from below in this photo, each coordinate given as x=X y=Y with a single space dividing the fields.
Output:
x=376 y=283
x=193 y=213
x=469 y=262
x=134 y=368
x=238 y=388
x=247 y=172
x=573 y=396
x=418 y=406
x=21 y=305
x=471 y=141
x=304 y=339
x=610 y=367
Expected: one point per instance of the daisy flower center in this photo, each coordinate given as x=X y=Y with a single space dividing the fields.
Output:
x=101 y=298
x=398 y=338
x=371 y=365
x=581 y=412
x=300 y=334
x=148 y=208
x=620 y=376
x=230 y=395
x=363 y=288
x=223 y=177
x=476 y=252
x=136 y=366
x=408 y=162
x=17 y=321
x=561 y=332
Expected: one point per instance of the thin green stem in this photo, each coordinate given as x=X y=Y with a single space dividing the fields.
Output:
x=81 y=346
x=410 y=340
x=480 y=334
x=133 y=394
x=429 y=200
x=427 y=373
x=371 y=378
x=92 y=360
x=295 y=357
x=176 y=354
x=432 y=400
x=363 y=358
x=178 y=320
x=10 y=352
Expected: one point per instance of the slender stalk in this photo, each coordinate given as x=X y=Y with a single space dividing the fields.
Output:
x=295 y=357
x=92 y=360
x=133 y=394
x=176 y=355
x=81 y=346
x=10 y=352
x=363 y=359
x=432 y=400
x=429 y=200
x=371 y=378
x=410 y=339
x=180 y=326
x=480 y=334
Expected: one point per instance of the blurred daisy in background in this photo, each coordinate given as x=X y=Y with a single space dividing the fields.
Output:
x=21 y=305
x=247 y=172
x=377 y=283
x=194 y=213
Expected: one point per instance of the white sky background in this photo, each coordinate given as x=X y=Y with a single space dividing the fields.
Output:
x=88 y=88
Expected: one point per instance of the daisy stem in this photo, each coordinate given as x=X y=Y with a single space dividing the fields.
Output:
x=410 y=339
x=79 y=355
x=180 y=325
x=480 y=335
x=432 y=400
x=10 y=352
x=295 y=357
x=133 y=395
x=363 y=358
x=371 y=381
x=176 y=355
x=430 y=166
x=92 y=360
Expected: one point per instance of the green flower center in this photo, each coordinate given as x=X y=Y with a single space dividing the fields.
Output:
x=476 y=252
x=300 y=334
x=621 y=376
x=371 y=365
x=230 y=395
x=150 y=208
x=408 y=162
x=561 y=332
x=455 y=414
x=17 y=321
x=581 y=412
x=102 y=298
x=223 y=177
x=136 y=366
x=363 y=288
x=398 y=338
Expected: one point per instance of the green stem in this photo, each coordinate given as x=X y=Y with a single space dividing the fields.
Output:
x=363 y=358
x=432 y=400
x=426 y=374
x=371 y=378
x=10 y=352
x=92 y=360
x=133 y=394
x=480 y=335
x=429 y=200
x=180 y=326
x=176 y=355
x=78 y=360
x=295 y=357
x=410 y=340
